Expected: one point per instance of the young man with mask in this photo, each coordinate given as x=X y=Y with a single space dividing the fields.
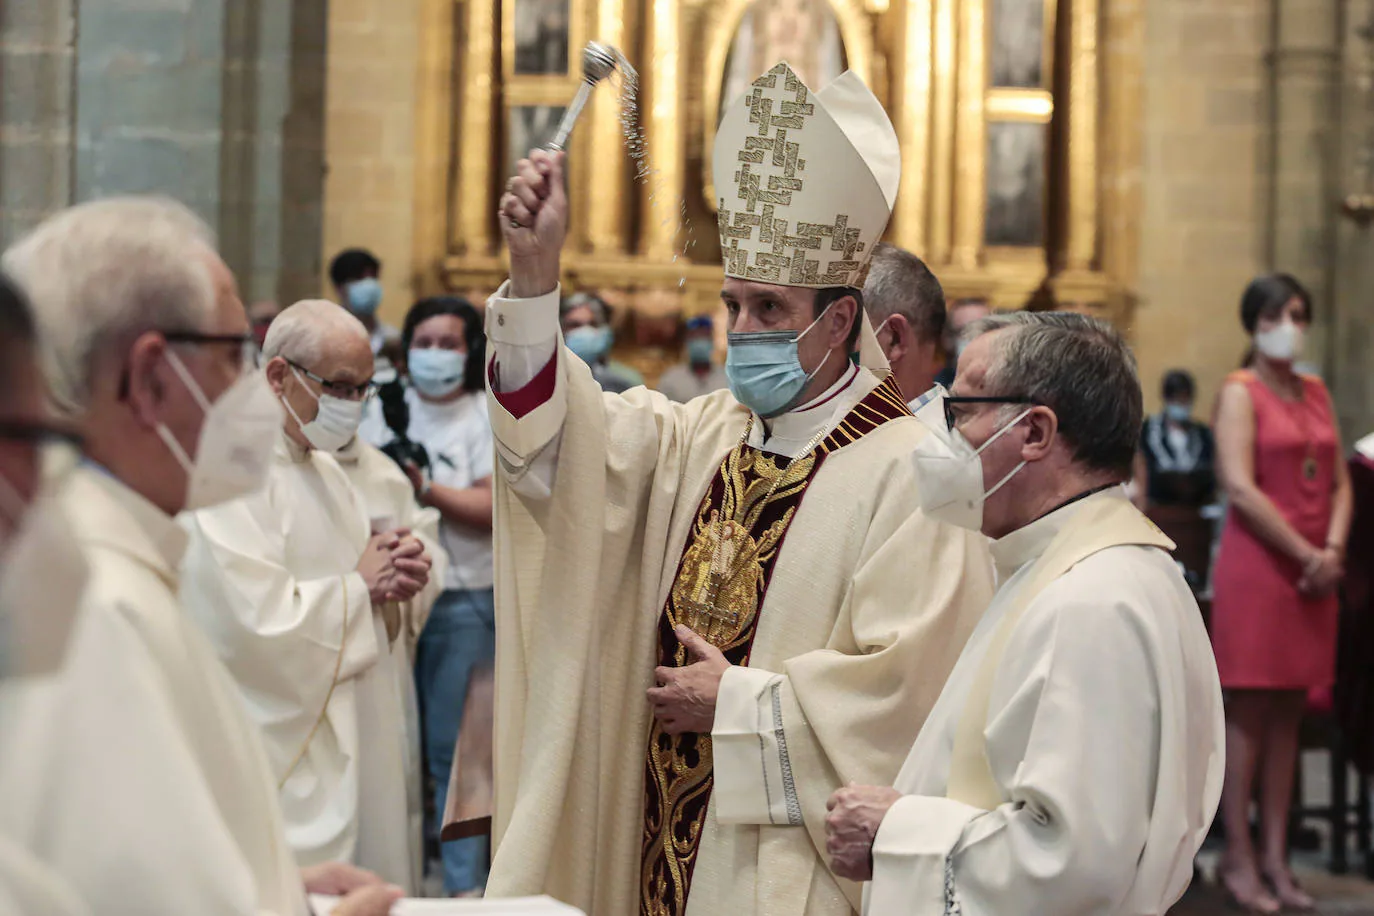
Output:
x=356 y=275
x=298 y=596
x=700 y=374
x=1074 y=760
x=712 y=615
x=134 y=771
x=907 y=304
x=586 y=323
x=42 y=574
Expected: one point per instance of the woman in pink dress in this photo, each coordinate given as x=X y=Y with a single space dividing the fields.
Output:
x=1274 y=612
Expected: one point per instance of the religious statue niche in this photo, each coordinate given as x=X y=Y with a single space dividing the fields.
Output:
x=805 y=33
x=1017 y=172
x=1018 y=44
x=541 y=37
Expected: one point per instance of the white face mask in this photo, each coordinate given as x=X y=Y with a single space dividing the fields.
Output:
x=335 y=423
x=949 y=471
x=43 y=574
x=1282 y=342
x=234 y=453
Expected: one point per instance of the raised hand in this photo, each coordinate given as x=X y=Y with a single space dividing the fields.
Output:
x=534 y=220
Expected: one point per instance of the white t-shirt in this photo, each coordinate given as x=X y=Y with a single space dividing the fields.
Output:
x=458 y=437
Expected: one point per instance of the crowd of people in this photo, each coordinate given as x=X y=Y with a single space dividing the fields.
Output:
x=862 y=618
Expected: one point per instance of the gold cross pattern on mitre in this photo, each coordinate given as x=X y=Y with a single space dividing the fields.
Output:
x=806 y=181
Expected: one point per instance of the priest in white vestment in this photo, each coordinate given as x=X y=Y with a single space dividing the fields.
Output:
x=300 y=598
x=906 y=304
x=390 y=501
x=1074 y=760
x=133 y=771
x=712 y=615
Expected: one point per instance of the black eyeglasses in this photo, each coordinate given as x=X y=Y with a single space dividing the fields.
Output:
x=345 y=390
x=952 y=400
x=38 y=433
x=250 y=355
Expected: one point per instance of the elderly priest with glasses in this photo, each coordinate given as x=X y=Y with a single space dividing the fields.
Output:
x=712 y=615
x=1074 y=759
x=298 y=597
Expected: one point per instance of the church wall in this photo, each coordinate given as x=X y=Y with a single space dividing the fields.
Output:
x=369 y=198
x=1203 y=199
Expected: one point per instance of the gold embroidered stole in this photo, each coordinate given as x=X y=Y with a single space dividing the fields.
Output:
x=718 y=591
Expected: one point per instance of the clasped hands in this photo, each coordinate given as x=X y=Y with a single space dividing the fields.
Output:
x=395 y=566
x=1322 y=573
x=360 y=892
x=684 y=699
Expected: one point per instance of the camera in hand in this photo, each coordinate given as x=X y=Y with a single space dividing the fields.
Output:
x=396 y=412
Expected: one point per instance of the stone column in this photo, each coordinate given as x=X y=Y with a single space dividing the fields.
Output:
x=36 y=111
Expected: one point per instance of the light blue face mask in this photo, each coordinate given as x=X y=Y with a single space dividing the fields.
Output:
x=590 y=344
x=364 y=296
x=700 y=350
x=764 y=370
x=435 y=372
x=1179 y=413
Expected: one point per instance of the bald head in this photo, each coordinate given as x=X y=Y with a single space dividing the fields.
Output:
x=314 y=331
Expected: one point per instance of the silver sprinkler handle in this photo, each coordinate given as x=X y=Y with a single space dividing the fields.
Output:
x=560 y=139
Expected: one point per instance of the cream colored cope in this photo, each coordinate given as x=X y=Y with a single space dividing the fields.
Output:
x=143 y=783
x=1077 y=772
x=272 y=581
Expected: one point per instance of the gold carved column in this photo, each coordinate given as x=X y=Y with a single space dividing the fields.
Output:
x=662 y=120
x=607 y=175
x=911 y=107
x=473 y=206
x=1081 y=238
x=971 y=136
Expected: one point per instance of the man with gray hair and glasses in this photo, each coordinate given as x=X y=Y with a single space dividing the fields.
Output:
x=1073 y=761
x=134 y=771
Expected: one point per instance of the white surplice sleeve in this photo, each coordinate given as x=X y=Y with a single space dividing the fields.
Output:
x=281 y=637
x=526 y=407
x=1073 y=740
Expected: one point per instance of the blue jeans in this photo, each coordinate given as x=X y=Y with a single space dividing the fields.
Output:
x=460 y=635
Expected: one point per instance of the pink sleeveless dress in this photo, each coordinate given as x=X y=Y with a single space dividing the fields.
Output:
x=1264 y=634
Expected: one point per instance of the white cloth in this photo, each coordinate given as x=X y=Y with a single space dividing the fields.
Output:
x=272 y=581
x=681 y=383
x=1104 y=731
x=865 y=610
x=141 y=781
x=1366 y=446
x=373 y=429
x=457 y=435
x=27 y=888
x=390 y=502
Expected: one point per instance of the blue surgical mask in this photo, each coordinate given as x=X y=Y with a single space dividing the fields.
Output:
x=700 y=350
x=435 y=372
x=764 y=370
x=364 y=296
x=590 y=344
x=1179 y=413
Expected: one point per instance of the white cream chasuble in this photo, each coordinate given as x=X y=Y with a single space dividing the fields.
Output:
x=851 y=612
x=271 y=579
x=1074 y=761
x=142 y=781
x=29 y=889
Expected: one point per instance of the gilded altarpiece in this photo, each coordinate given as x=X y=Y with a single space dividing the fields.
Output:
x=1019 y=142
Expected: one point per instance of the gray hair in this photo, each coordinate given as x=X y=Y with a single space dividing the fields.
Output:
x=600 y=310
x=899 y=283
x=1080 y=368
x=301 y=333
x=101 y=273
